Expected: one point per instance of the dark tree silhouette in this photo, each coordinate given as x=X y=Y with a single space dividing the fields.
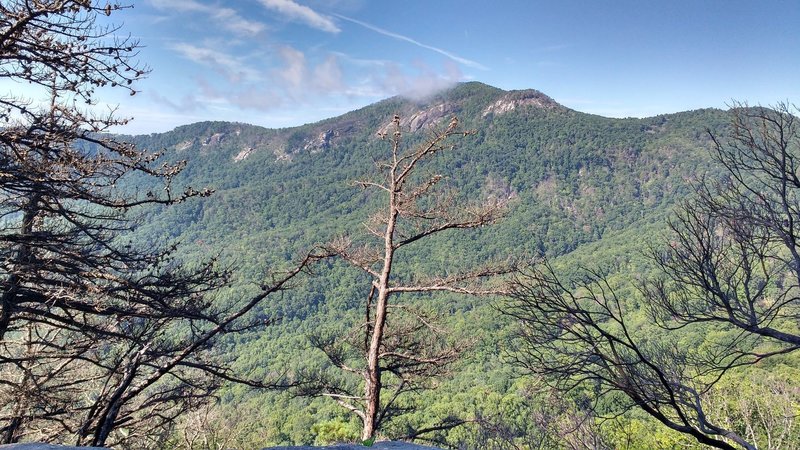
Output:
x=575 y=334
x=96 y=334
x=735 y=256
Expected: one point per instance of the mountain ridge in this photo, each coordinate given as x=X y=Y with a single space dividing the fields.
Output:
x=534 y=148
x=475 y=100
x=407 y=103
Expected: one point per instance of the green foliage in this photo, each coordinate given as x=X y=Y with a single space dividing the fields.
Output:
x=583 y=189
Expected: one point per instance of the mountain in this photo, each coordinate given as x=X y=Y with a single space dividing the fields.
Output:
x=582 y=189
x=577 y=176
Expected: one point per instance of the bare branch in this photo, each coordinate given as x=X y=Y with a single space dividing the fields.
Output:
x=401 y=356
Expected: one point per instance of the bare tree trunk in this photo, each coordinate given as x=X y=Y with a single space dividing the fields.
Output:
x=105 y=423
x=415 y=350
x=373 y=378
x=22 y=258
x=10 y=434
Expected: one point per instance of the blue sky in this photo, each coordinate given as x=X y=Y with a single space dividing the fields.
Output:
x=282 y=63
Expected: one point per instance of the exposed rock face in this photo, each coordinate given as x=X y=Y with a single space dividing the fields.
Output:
x=214 y=139
x=425 y=118
x=322 y=141
x=428 y=117
x=518 y=99
x=243 y=154
x=326 y=138
x=387 y=445
x=184 y=145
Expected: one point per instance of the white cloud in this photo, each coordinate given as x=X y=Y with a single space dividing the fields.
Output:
x=301 y=80
x=301 y=13
x=186 y=104
x=252 y=97
x=294 y=81
x=328 y=76
x=423 y=84
x=363 y=62
x=294 y=71
x=255 y=98
x=232 y=21
x=226 y=18
x=229 y=66
x=454 y=57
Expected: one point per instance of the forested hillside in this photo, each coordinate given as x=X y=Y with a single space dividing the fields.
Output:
x=582 y=190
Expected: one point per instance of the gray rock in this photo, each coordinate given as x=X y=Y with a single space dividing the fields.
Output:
x=386 y=445
x=42 y=446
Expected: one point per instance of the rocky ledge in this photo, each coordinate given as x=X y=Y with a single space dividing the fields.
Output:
x=387 y=445
x=41 y=446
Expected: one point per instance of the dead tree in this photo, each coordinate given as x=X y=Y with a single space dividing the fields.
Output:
x=732 y=263
x=576 y=334
x=96 y=334
x=734 y=258
x=399 y=348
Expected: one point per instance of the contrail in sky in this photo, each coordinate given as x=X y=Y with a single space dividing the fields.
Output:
x=456 y=58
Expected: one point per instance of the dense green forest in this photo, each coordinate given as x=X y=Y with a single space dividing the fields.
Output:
x=582 y=190
x=481 y=269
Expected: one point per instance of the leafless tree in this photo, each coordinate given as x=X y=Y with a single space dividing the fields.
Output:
x=732 y=263
x=399 y=348
x=96 y=334
x=576 y=334
x=735 y=257
x=541 y=418
x=762 y=404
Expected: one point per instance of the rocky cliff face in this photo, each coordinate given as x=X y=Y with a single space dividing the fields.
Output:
x=323 y=138
x=520 y=99
x=428 y=117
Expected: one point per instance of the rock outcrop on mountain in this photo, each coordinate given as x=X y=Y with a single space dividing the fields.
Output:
x=520 y=99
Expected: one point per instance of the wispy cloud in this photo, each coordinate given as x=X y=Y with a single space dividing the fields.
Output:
x=553 y=48
x=363 y=62
x=301 y=13
x=226 y=18
x=234 y=22
x=328 y=75
x=452 y=56
x=293 y=73
x=231 y=67
x=299 y=79
x=293 y=80
x=188 y=103
x=423 y=84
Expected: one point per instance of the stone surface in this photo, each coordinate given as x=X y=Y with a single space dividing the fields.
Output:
x=386 y=445
x=42 y=446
